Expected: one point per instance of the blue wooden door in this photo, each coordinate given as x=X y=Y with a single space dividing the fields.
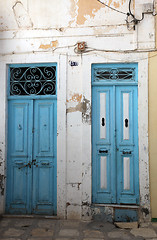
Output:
x=127 y=145
x=20 y=141
x=44 y=157
x=114 y=138
x=32 y=157
x=32 y=137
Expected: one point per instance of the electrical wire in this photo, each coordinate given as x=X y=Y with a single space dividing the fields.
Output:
x=112 y=8
x=89 y=49
x=133 y=16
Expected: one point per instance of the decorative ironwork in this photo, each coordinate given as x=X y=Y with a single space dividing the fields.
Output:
x=114 y=74
x=33 y=80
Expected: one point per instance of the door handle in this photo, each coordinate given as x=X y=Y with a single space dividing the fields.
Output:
x=26 y=165
x=45 y=164
x=33 y=162
x=103 y=122
x=103 y=151
x=125 y=152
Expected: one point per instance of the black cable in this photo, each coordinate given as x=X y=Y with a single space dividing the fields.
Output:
x=112 y=8
x=133 y=16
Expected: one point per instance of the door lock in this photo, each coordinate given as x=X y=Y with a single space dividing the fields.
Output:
x=126 y=122
x=33 y=162
x=125 y=152
x=26 y=165
x=103 y=122
x=103 y=151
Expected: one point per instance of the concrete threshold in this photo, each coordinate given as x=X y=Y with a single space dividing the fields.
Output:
x=115 y=206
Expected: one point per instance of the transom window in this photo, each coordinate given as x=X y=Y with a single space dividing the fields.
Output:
x=37 y=80
x=114 y=74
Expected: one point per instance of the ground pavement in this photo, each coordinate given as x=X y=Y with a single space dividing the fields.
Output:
x=52 y=229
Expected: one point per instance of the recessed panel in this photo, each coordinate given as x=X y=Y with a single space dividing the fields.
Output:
x=44 y=126
x=19 y=123
x=103 y=115
x=103 y=172
x=19 y=129
x=126 y=120
x=126 y=173
x=44 y=129
x=19 y=184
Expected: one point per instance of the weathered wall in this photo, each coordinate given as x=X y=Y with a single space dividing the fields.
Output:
x=153 y=131
x=153 y=125
x=47 y=31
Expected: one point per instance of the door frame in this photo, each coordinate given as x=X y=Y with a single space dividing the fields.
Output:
x=142 y=61
x=98 y=86
x=61 y=62
x=33 y=98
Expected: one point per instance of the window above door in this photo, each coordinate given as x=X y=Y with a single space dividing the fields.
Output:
x=32 y=79
x=114 y=73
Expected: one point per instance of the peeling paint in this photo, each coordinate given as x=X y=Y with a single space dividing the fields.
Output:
x=68 y=204
x=86 y=204
x=86 y=113
x=78 y=186
x=77 y=108
x=53 y=44
x=21 y=15
x=145 y=210
x=2 y=184
x=84 y=107
x=76 y=97
x=80 y=9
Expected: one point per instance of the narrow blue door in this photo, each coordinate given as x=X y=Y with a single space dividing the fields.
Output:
x=127 y=145
x=19 y=173
x=104 y=166
x=32 y=140
x=115 y=134
x=44 y=157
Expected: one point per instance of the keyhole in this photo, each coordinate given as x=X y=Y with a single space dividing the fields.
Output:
x=19 y=127
x=103 y=122
x=126 y=122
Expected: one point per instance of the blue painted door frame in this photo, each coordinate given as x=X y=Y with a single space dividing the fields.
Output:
x=31 y=158
x=115 y=174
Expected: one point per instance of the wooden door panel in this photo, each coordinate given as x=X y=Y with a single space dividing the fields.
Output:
x=19 y=155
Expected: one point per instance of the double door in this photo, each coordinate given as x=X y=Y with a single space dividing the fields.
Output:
x=31 y=161
x=115 y=144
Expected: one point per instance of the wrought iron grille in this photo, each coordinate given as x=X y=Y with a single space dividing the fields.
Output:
x=114 y=74
x=33 y=80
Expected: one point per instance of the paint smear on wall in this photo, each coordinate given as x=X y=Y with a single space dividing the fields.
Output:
x=53 y=44
x=81 y=8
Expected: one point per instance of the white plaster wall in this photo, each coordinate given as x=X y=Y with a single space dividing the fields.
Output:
x=47 y=31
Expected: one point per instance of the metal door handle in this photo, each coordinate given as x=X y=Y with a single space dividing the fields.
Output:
x=44 y=164
x=33 y=162
x=103 y=151
x=126 y=122
x=124 y=152
x=103 y=122
x=26 y=165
